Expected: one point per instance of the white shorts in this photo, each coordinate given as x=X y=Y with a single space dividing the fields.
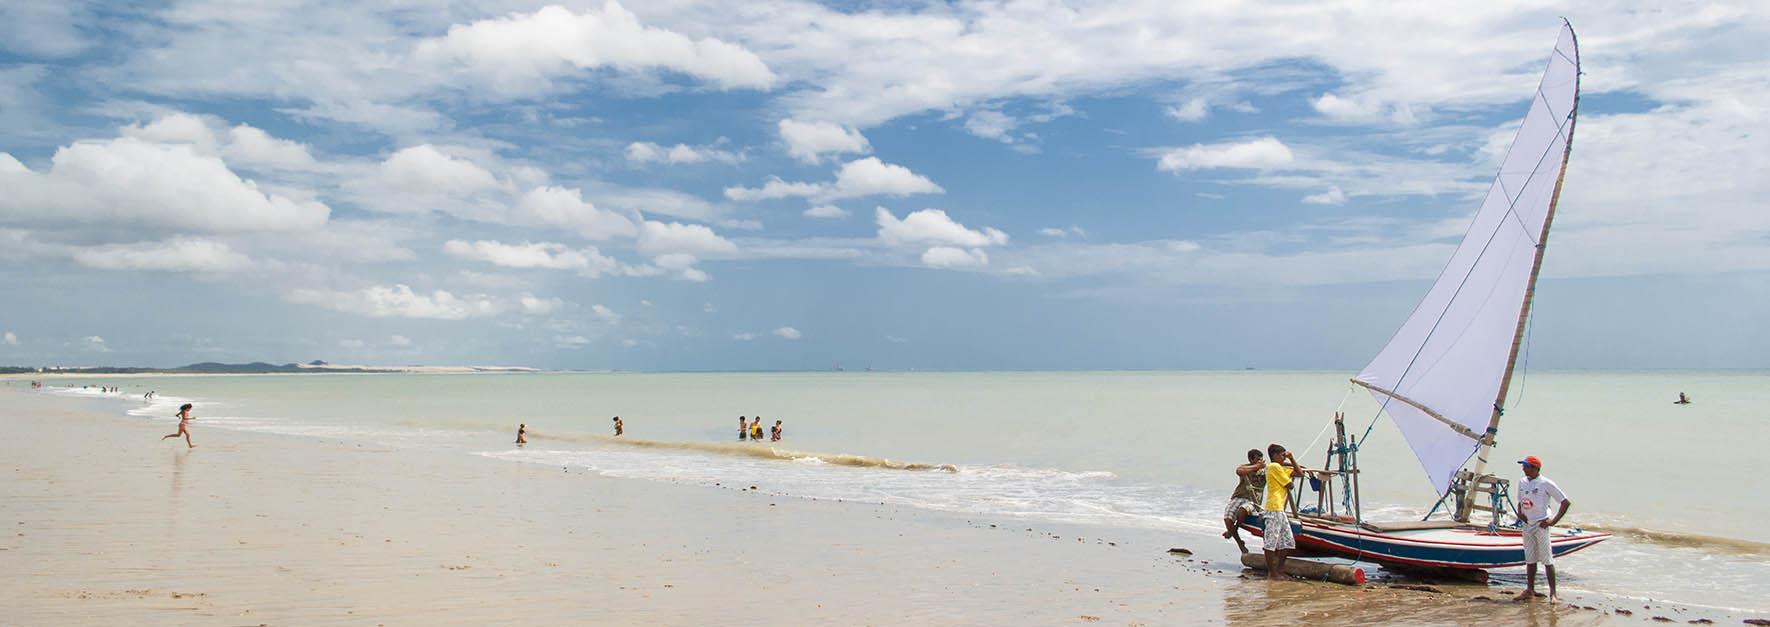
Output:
x=1238 y=507
x=1536 y=545
x=1277 y=534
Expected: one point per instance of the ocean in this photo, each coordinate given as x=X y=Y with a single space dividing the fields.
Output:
x=1677 y=484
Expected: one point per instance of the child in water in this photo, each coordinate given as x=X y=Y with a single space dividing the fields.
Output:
x=618 y=426
x=522 y=431
x=775 y=433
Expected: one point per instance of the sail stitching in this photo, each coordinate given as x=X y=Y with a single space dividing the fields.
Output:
x=1510 y=209
x=1512 y=203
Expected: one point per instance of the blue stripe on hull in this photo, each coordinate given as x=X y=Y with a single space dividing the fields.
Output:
x=1417 y=552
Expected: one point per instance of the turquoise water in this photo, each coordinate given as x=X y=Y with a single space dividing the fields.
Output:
x=1138 y=449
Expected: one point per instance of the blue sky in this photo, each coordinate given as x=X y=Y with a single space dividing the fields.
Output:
x=788 y=185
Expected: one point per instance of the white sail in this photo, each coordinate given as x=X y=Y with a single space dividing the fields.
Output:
x=1441 y=373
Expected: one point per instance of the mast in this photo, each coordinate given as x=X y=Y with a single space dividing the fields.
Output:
x=1542 y=242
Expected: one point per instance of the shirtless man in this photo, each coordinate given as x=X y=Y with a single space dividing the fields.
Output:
x=743 y=428
x=184 y=421
x=775 y=433
x=1249 y=489
x=522 y=431
x=619 y=426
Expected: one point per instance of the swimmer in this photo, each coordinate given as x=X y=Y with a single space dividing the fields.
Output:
x=775 y=433
x=522 y=432
x=618 y=426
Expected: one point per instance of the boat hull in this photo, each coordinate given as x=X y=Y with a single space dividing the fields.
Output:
x=1458 y=548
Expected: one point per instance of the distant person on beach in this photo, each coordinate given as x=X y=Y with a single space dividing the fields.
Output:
x=756 y=429
x=1682 y=399
x=1250 y=486
x=1277 y=540
x=522 y=433
x=1535 y=493
x=184 y=421
x=619 y=426
x=774 y=434
x=743 y=428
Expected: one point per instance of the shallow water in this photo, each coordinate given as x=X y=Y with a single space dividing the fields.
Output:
x=1147 y=450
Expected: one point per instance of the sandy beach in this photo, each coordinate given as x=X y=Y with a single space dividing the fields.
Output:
x=107 y=524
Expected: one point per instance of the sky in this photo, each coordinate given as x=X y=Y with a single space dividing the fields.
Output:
x=782 y=185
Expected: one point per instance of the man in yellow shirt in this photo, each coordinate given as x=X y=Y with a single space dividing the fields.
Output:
x=1276 y=538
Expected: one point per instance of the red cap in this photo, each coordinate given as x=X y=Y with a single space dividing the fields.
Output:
x=1531 y=461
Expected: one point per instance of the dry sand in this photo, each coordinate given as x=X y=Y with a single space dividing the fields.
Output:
x=106 y=524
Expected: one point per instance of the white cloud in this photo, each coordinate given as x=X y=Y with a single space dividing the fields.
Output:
x=536 y=306
x=423 y=169
x=933 y=227
x=532 y=255
x=1257 y=153
x=775 y=188
x=789 y=333
x=1064 y=232
x=991 y=124
x=253 y=146
x=809 y=141
x=561 y=206
x=647 y=152
x=400 y=341
x=826 y=212
x=9 y=338
x=352 y=344
x=570 y=342
x=522 y=52
x=868 y=176
x=950 y=257
x=862 y=177
x=663 y=238
x=1333 y=196
x=743 y=336
x=709 y=308
x=895 y=339
x=604 y=314
x=181 y=254
x=135 y=182
x=175 y=128
x=1365 y=109
x=1193 y=110
x=399 y=301
x=94 y=344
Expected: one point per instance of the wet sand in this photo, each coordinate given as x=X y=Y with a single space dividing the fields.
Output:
x=107 y=524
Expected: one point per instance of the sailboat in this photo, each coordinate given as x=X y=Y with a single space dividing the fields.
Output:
x=1443 y=377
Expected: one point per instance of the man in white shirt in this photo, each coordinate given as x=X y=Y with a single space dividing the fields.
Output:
x=1535 y=494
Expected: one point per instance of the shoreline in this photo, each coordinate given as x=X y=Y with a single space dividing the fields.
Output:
x=247 y=514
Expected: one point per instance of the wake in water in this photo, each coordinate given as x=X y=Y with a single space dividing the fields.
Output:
x=752 y=450
x=1682 y=540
